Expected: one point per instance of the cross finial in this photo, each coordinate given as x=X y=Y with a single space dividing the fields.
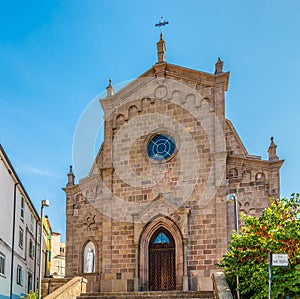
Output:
x=109 y=89
x=219 y=67
x=71 y=177
x=272 y=151
x=161 y=23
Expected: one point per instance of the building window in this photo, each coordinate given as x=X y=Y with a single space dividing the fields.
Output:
x=161 y=239
x=31 y=249
x=31 y=223
x=29 y=284
x=161 y=147
x=22 y=208
x=62 y=250
x=60 y=267
x=39 y=234
x=21 y=237
x=20 y=275
x=2 y=264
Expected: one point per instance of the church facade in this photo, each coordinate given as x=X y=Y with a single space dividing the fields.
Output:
x=152 y=214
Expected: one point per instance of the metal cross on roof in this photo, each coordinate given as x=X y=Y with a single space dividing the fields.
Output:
x=161 y=23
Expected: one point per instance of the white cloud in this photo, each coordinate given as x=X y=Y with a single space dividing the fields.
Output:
x=40 y=171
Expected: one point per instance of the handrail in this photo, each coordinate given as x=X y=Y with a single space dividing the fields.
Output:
x=220 y=285
x=73 y=288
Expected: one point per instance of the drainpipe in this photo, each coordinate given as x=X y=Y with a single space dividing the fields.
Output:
x=35 y=251
x=13 y=241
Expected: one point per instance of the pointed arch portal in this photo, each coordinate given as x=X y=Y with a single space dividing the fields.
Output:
x=162 y=275
x=161 y=256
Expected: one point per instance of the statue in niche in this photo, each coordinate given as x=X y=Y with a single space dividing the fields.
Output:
x=90 y=261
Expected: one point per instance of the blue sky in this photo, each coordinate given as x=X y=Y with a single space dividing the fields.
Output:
x=56 y=56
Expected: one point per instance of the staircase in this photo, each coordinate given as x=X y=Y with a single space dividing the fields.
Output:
x=149 y=295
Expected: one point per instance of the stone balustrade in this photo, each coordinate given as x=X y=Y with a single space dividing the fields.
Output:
x=220 y=285
x=69 y=290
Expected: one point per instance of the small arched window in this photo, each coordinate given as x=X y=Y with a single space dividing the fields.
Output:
x=260 y=177
x=233 y=173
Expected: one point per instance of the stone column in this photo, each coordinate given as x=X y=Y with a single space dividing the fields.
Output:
x=136 y=275
x=185 y=261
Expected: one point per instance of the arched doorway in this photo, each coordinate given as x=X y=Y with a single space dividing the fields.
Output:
x=147 y=238
x=162 y=261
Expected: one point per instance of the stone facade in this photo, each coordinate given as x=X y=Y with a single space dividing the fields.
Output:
x=129 y=196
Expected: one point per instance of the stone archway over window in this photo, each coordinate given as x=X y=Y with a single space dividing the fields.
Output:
x=161 y=224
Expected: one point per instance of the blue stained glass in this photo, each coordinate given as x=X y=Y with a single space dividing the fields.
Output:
x=161 y=239
x=161 y=147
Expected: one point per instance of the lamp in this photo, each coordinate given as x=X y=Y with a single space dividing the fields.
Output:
x=232 y=198
x=44 y=203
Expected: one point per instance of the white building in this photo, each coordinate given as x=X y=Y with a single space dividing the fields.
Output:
x=58 y=256
x=19 y=235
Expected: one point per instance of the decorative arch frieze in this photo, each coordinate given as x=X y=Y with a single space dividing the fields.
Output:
x=233 y=173
x=161 y=92
x=120 y=120
x=146 y=102
x=205 y=102
x=246 y=176
x=132 y=111
x=190 y=99
x=177 y=96
x=260 y=177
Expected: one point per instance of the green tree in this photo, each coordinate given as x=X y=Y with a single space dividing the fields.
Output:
x=30 y=295
x=277 y=230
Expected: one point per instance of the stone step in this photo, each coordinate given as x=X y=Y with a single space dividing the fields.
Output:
x=150 y=295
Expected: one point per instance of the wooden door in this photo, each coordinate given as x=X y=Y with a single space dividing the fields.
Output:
x=162 y=275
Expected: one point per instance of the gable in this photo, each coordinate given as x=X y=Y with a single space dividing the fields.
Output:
x=234 y=144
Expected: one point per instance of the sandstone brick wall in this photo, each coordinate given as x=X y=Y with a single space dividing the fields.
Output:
x=127 y=196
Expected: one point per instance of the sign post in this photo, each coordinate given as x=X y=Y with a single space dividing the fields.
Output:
x=280 y=259
x=277 y=260
x=270 y=274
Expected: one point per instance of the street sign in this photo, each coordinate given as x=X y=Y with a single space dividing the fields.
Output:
x=280 y=259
